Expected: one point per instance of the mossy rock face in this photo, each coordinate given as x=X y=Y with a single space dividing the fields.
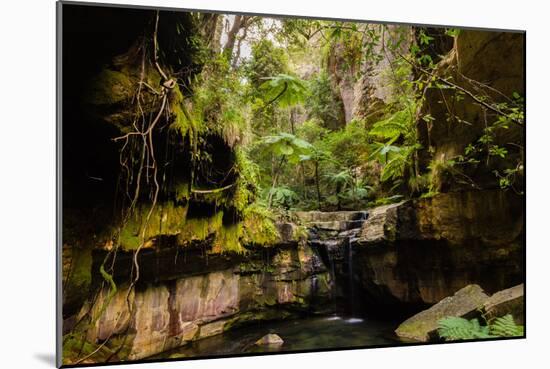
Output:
x=464 y=303
x=76 y=348
x=165 y=219
x=110 y=94
x=77 y=276
x=494 y=58
x=170 y=310
x=171 y=219
x=110 y=87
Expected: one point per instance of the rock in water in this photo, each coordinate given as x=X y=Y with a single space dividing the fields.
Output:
x=423 y=326
x=270 y=339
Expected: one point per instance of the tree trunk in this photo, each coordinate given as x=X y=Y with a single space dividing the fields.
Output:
x=338 y=190
x=274 y=181
x=304 y=184
x=245 y=26
x=232 y=35
x=317 y=185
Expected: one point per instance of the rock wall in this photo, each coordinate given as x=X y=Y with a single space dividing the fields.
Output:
x=333 y=236
x=163 y=314
x=475 y=64
x=364 y=84
x=415 y=253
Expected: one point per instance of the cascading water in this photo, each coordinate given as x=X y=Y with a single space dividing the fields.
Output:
x=334 y=236
x=332 y=279
x=350 y=276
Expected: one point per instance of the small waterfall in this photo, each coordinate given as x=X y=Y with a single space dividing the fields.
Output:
x=332 y=278
x=350 y=276
x=334 y=235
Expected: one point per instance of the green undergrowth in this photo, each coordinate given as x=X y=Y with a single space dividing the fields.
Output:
x=258 y=226
x=455 y=328
x=75 y=347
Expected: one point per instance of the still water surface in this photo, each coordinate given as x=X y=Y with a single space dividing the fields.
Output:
x=327 y=332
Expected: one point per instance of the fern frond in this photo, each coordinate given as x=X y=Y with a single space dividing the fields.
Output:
x=505 y=327
x=455 y=328
x=390 y=128
x=394 y=168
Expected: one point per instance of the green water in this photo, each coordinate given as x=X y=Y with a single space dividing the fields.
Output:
x=312 y=333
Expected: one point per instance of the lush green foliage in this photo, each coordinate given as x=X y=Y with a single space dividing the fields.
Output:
x=455 y=328
x=284 y=89
x=322 y=104
x=281 y=109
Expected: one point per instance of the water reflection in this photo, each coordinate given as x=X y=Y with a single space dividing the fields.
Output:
x=302 y=334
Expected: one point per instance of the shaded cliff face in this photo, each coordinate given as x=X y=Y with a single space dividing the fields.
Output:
x=132 y=160
x=413 y=254
x=188 y=294
x=476 y=64
x=103 y=63
x=364 y=83
x=213 y=294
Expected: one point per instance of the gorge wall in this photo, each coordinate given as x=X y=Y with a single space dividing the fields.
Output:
x=415 y=253
x=390 y=261
x=210 y=295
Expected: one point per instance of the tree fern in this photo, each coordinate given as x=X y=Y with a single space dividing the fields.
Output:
x=285 y=89
x=283 y=196
x=391 y=128
x=288 y=145
x=396 y=160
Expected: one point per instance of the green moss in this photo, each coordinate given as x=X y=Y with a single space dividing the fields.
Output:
x=227 y=240
x=218 y=197
x=416 y=329
x=183 y=122
x=129 y=237
x=110 y=87
x=177 y=356
x=182 y=191
x=258 y=227
x=76 y=347
x=80 y=275
x=166 y=219
x=198 y=229
x=246 y=188
x=186 y=121
x=300 y=233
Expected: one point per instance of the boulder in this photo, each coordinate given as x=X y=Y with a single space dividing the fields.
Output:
x=423 y=326
x=288 y=233
x=380 y=225
x=270 y=339
x=508 y=301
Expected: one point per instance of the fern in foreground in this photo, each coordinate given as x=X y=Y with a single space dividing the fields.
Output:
x=454 y=328
x=505 y=327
